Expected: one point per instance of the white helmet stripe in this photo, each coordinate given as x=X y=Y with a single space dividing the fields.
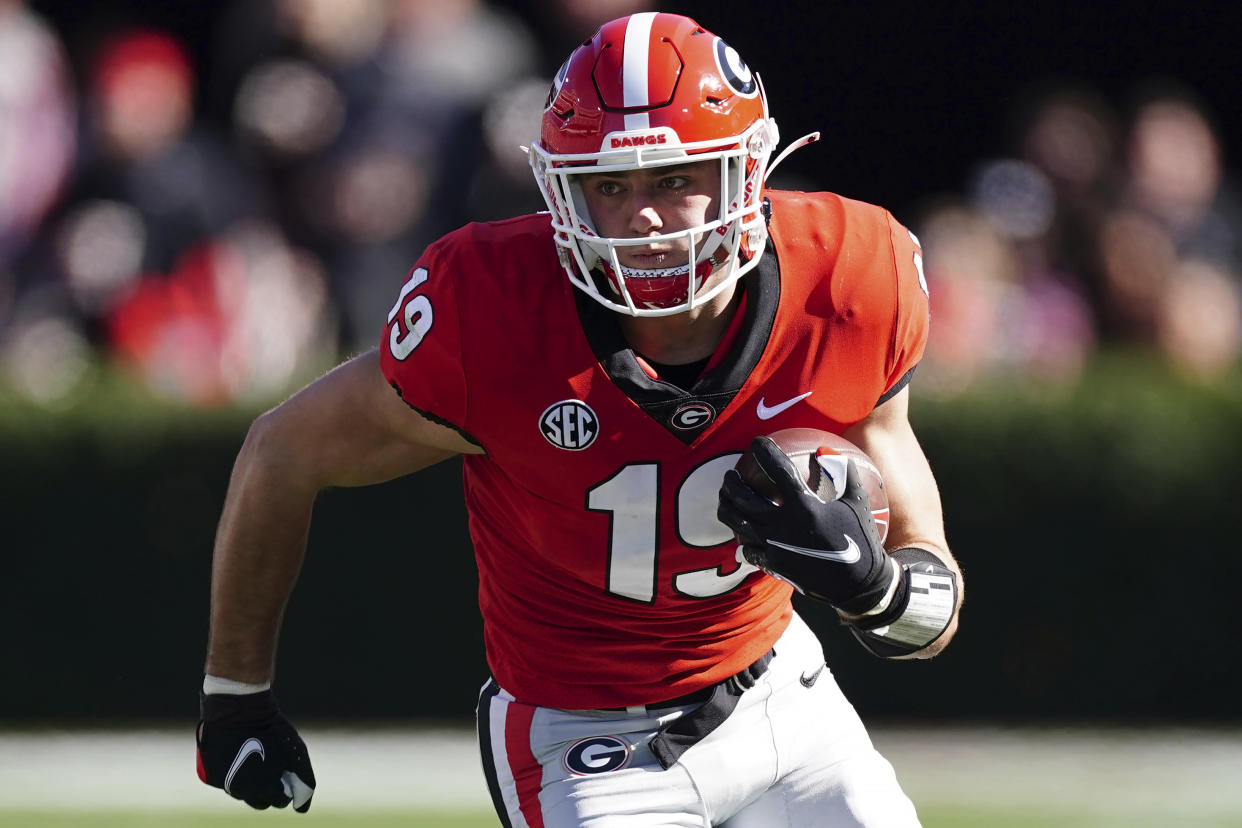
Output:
x=634 y=70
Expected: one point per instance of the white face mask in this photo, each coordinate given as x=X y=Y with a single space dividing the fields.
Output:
x=729 y=243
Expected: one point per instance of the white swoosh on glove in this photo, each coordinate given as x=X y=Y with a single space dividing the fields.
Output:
x=850 y=554
x=248 y=747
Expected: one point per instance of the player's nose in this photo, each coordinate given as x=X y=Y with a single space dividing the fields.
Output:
x=644 y=218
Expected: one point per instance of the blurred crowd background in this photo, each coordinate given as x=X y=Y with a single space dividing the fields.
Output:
x=220 y=199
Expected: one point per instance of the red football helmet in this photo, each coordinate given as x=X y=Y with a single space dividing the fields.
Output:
x=654 y=90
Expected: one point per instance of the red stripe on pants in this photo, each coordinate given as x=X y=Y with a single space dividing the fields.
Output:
x=527 y=774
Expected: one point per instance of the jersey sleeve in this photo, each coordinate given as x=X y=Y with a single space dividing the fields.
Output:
x=421 y=348
x=913 y=311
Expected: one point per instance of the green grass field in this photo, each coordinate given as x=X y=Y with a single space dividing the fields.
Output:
x=174 y=819
x=944 y=817
x=959 y=778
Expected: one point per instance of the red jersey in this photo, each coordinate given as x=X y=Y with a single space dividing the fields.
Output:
x=605 y=579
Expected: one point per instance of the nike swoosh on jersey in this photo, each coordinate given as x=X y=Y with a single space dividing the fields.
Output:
x=768 y=412
x=248 y=747
x=808 y=680
x=850 y=554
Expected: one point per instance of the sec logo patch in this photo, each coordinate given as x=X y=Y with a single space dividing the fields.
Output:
x=597 y=754
x=569 y=425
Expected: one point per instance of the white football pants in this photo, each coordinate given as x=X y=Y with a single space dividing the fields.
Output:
x=789 y=755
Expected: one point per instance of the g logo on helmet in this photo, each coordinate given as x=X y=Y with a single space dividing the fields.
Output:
x=735 y=71
x=557 y=82
x=597 y=754
x=569 y=425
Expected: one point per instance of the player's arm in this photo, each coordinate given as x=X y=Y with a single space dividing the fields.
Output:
x=348 y=428
x=916 y=519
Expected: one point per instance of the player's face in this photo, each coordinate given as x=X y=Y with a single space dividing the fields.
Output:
x=634 y=204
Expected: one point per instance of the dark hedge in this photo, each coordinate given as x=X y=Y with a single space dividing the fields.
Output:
x=1098 y=527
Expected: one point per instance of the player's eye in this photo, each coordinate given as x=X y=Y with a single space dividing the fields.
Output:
x=607 y=187
x=674 y=182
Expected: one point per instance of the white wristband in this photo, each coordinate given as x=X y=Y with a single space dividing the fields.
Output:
x=928 y=611
x=215 y=685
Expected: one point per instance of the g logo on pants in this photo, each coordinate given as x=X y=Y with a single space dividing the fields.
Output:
x=597 y=754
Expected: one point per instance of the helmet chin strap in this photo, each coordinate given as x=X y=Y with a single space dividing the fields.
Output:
x=701 y=271
x=663 y=272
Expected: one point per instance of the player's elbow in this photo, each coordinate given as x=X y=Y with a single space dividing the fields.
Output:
x=263 y=438
x=274 y=452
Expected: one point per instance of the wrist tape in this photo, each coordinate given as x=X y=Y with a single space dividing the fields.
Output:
x=920 y=608
x=215 y=685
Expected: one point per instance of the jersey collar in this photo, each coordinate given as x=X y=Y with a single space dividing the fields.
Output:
x=687 y=412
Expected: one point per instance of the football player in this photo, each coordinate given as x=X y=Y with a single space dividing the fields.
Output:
x=602 y=367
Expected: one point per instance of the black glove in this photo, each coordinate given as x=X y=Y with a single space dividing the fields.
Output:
x=249 y=749
x=829 y=551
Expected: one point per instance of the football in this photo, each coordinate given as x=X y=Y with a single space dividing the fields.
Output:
x=821 y=457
